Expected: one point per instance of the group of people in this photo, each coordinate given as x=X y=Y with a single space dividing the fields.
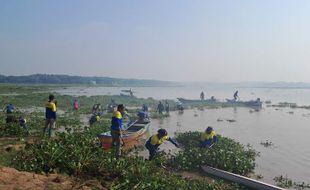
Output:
x=161 y=107
x=11 y=116
x=208 y=138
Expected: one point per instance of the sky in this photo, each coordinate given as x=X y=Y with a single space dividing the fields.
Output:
x=175 y=40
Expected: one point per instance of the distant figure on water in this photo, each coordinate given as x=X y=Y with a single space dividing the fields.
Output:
x=145 y=108
x=112 y=106
x=75 y=104
x=117 y=129
x=156 y=140
x=236 y=95
x=131 y=93
x=212 y=98
x=167 y=107
x=208 y=138
x=96 y=108
x=160 y=107
x=180 y=107
x=202 y=96
x=50 y=116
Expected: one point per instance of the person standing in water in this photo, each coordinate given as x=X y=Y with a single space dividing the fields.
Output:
x=236 y=95
x=202 y=96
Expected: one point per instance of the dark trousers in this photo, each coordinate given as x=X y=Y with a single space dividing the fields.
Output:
x=116 y=142
x=152 y=149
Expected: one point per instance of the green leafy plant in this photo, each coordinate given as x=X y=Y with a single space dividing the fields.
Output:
x=227 y=154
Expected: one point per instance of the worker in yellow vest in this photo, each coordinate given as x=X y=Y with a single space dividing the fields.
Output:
x=156 y=140
x=208 y=138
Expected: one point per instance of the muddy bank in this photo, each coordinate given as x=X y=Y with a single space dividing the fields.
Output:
x=12 y=179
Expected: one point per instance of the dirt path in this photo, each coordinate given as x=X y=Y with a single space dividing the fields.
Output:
x=11 y=179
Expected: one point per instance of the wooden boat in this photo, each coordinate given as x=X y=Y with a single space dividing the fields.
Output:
x=229 y=102
x=197 y=102
x=248 y=182
x=131 y=136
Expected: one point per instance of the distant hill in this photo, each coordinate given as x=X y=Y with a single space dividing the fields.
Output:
x=67 y=79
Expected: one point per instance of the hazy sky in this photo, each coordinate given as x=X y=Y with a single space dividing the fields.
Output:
x=246 y=40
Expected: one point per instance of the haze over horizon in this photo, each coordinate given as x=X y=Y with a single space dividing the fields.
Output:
x=218 y=41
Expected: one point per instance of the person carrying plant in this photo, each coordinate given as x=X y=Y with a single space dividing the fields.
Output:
x=50 y=116
x=208 y=138
x=156 y=140
x=116 y=129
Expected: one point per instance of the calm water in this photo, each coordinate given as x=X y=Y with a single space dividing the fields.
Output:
x=300 y=96
x=289 y=132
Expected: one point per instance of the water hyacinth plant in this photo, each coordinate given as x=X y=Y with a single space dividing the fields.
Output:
x=227 y=154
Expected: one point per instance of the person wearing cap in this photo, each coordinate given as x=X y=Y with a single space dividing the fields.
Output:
x=116 y=129
x=50 y=116
x=208 y=138
x=156 y=140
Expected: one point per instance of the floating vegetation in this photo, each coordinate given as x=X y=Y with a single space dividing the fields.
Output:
x=268 y=102
x=254 y=110
x=227 y=154
x=267 y=143
x=231 y=120
x=286 y=182
x=288 y=105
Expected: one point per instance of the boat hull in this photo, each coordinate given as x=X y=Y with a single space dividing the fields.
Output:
x=131 y=136
x=248 y=182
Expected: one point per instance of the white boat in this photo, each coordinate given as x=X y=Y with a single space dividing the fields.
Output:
x=248 y=182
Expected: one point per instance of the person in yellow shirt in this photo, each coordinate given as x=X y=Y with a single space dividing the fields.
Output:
x=156 y=140
x=50 y=116
x=208 y=138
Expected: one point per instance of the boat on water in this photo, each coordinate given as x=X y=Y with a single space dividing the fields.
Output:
x=131 y=136
x=248 y=182
x=126 y=95
x=229 y=102
x=196 y=101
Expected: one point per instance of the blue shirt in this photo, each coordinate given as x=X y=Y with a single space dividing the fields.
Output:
x=116 y=122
